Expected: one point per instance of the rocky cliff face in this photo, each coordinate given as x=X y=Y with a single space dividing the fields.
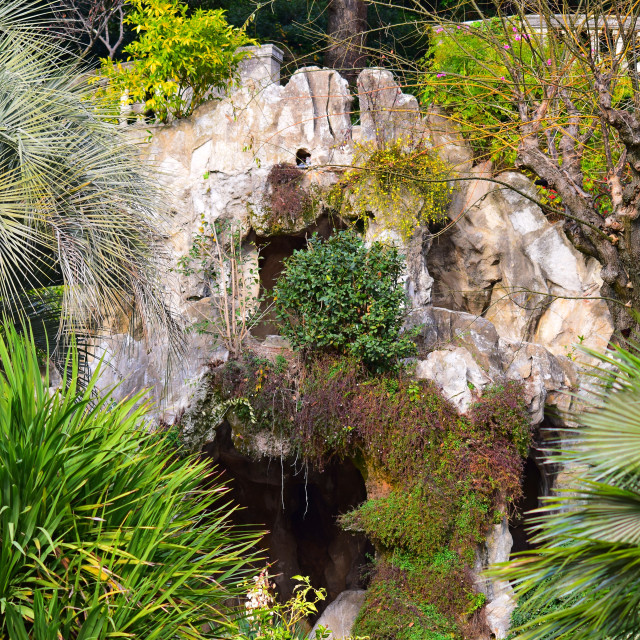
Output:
x=499 y=295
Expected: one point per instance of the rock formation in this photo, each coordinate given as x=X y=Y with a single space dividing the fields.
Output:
x=511 y=297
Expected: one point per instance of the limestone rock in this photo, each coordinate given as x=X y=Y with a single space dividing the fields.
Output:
x=499 y=593
x=504 y=260
x=456 y=373
x=340 y=615
x=387 y=114
x=467 y=354
x=416 y=277
x=215 y=164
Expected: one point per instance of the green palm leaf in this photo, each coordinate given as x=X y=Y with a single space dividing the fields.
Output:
x=588 y=558
x=104 y=531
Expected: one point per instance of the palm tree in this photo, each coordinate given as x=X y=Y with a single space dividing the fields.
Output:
x=80 y=220
x=583 y=581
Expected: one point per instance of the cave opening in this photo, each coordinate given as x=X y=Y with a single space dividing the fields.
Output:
x=298 y=507
x=519 y=522
x=538 y=480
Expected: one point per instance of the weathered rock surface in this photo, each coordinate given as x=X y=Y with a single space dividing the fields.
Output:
x=340 y=615
x=499 y=593
x=467 y=354
x=511 y=295
x=504 y=260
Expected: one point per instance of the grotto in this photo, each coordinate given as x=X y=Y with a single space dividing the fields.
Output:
x=496 y=303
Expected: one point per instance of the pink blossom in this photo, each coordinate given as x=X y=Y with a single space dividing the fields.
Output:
x=506 y=46
x=549 y=62
x=502 y=78
x=458 y=27
x=518 y=37
x=525 y=36
x=440 y=75
x=439 y=30
x=515 y=30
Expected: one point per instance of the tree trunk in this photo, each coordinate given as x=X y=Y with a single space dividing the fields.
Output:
x=347 y=32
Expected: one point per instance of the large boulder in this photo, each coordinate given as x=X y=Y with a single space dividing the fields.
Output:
x=504 y=260
x=466 y=354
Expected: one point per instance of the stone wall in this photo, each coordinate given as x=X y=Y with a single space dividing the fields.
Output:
x=216 y=163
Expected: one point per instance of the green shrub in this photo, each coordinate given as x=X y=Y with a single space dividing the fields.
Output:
x=342 y=296
x=103 y=532
x=178 y=59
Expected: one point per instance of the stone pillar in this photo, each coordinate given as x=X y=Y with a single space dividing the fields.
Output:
x=263 y=66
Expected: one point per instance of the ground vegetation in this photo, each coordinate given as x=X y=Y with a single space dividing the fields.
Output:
x=449 y=477
x=103 y=530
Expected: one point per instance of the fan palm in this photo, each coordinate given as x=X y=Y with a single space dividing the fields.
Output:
x=79 y=217
x=587 y=564
x=104 y=531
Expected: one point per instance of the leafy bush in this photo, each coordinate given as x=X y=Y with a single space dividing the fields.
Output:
x=341 y=296
x=403 y=185
x=103 y=532
x=476 y=73
x=178 y=59
x=465 y=75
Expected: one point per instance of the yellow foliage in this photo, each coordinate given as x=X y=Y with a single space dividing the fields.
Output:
x=402 y=186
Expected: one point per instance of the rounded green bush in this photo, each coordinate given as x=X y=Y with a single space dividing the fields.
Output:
x=340 y=295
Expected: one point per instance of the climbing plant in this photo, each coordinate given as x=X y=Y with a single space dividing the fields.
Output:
x=448 y=477
x=402 y=184
x=222 y=265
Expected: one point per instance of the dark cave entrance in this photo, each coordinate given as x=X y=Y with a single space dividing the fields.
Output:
x=537 y=481
x=298 y=507
x=532 y=487
x=273 y=251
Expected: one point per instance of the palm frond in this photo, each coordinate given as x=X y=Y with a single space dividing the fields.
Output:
x=76 y=206
x=588 y=534
x=104 y=531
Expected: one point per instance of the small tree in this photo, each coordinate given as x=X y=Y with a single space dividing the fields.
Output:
x=340 y=295
x=555 y=90
x=220 y=263
x=179 y=61
x=88 y=22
